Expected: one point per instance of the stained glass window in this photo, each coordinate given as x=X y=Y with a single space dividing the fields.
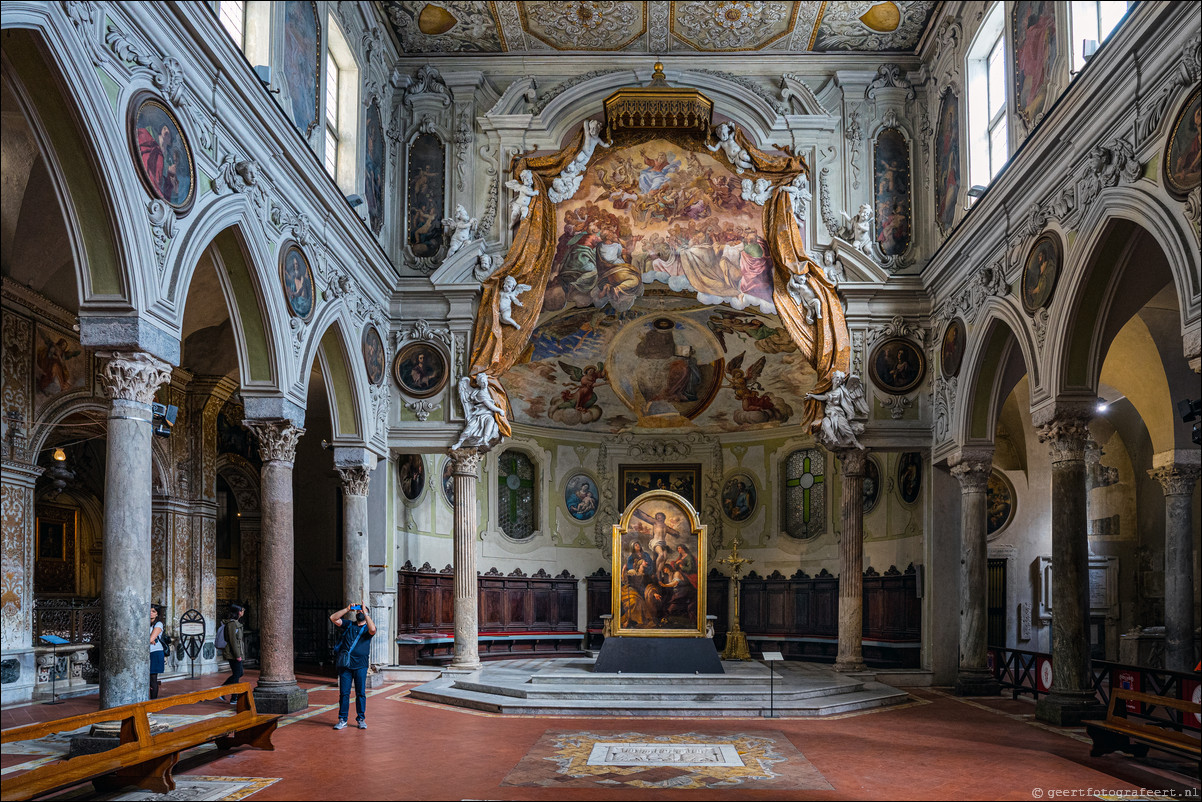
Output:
x=518 y=508
x=805 y=493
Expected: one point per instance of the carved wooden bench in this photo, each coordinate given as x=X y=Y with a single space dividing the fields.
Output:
x=1118 y=731
x=141 y=758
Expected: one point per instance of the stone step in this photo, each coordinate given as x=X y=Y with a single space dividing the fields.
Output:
x=676 y=692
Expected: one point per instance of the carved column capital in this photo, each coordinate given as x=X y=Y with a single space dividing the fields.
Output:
x=277 y=438
x=132 y=375
x=852 y=461
x=1065 y=435
x=1177 y=479
x=973 y=474
x=465 y=462
x=355 y=480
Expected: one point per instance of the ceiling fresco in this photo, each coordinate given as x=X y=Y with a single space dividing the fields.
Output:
x=657 y=27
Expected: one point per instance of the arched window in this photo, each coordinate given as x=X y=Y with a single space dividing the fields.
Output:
x=517 y=502
x=804 y=496
x=988 y=137
x=342 y=109
x=1093 y=22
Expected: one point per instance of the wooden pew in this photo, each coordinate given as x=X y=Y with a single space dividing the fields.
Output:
x=140 y=759
x=1118 y=731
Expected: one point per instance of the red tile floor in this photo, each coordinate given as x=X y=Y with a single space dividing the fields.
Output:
x=935 y=747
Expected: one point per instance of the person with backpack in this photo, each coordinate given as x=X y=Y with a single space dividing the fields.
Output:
x=229 y=640
x=354 y=651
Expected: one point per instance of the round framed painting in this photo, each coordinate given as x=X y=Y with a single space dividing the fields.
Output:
x=999 y=503
x=1041 y=271
x=951 y=352
x=161 y=151
x=739 y=497
x=1183 y=155
x=580 y=496
x=420 y=369
x=297 y=278
x=897 y=366
x=373 y=355
x=909 y=476
x=411 y=471
x=872 y=484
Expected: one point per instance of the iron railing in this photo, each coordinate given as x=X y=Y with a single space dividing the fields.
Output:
x=76 y=620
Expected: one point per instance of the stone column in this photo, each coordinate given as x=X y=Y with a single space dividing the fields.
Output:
x=1178 y=480
x=355 y=578
x=974 y=677
x=17 y=480
x=130 y=379
x=1072 y=698
x=851 y=560
x=276 y=691
x=465 y=468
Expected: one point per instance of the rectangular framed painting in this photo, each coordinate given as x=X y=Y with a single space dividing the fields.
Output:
x=684 y=479
x=659 y=568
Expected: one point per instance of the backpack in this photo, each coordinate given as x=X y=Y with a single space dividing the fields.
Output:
x=166 y=640
x=221 y=642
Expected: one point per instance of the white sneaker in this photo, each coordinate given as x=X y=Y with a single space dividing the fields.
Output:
x=362 y=724
x=341 y=725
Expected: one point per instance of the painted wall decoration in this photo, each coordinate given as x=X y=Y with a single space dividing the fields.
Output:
x=897 y=366
x=580 y=496
x=1183 y=156
x=373 y=355
x=448 y=483
x=298 y=83
x=375 y=166
x=426 y=197
x=951 y=350
x=909 y=476
x=872 y=484
x=60 y=365
x=739 y=497
x=420 y=369
x=1034 y=27
x=947 y=161
x=1040 y=272
x=297 y=278
x=411 y=470
x=891 y=172
x=684 y=480
x=999 y=502
x=659 y=553
x=658 y=213
x=161 y=152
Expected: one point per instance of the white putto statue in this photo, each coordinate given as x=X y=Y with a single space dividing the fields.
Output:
x=758 y=192
x=564 y=185
x=800 y=196
x=804 y=296
x=459 y=227
x=844 y=402
x=861 y=229
x=736 y=154
x=832 y=268
x=479 y=412
x=519 y=207
x=507 y=298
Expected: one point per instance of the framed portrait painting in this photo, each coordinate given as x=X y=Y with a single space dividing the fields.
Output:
x=636 y=480
x=374 y=167
x=872 y=484
x=426 y=196
x=951 y=350
x=1034 y=57
x=161 y=152
x=297 y=278
x=891 y=173
x=580 y=496
x=739 y=497
x=373 y=355
x=947 y=161
x=420 y=369
x=298 y=83
x=897 y=366
x=909 y=476
x=1040 y=272
x=411 y=471
x=659 y=567
x=999 y=503
x=1183 y=156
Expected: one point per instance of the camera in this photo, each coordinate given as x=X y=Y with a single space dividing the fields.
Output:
x=356 y=607
x=1190 y=411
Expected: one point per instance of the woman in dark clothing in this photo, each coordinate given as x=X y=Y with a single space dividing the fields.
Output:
x=158 y=663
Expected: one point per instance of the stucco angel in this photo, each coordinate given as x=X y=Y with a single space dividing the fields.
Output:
x=861 y=229
x=758 y=192
x=480 y=412
x=519 y=207
x=507 y=298
x=800 y=196
x=844 y=402
x=736 y=154
x=460 y=228
x=804 y=296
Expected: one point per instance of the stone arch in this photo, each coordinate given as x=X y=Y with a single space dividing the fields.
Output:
x=243 y=479
x=336 y=353
x=998 y=353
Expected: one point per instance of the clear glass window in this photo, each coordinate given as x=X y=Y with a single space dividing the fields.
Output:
x=518 y=511
x=1094 y=21
x=233 y=18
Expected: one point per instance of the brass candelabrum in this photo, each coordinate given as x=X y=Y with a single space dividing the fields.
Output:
x=736 y=639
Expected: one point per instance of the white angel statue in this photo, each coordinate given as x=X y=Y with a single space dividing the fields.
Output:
x=460 y=227
x=519 y=207
x=799 y=194
x=757 y=192
x=507 y=298
x=844 y=401
x=479 y=412
x=592 y=138
x=832 y=268
x=736 y=154
x=804 y=296
x=861 y=229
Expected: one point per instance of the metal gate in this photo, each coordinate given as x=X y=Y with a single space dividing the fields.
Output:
x=996 y=604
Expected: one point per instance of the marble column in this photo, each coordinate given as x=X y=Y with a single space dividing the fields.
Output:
x=465 y=468
x=1072 y=698
x=130 y=379
x=974 y=677
x=276 y=691
x=851 y=560
x=355 y=579
x=1178 y=480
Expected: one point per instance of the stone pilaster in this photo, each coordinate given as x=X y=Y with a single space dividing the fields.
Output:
x=973 y=677
x=851 y=560
x=130 y=379
x=16 y=606
x=355 y=578
x=1072 y=700
x=277 y=691
x=1178 y=479
x=465 y=468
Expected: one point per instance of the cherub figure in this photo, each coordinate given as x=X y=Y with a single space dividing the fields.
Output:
x=759 y=192
x=844 y=401
x=861 y=229
x=736 y=154
x=799 y=194
x=507 y=298
x=804 y=296
x=460 y=228
x=832 y=268
x=592 y=138
x=519 y=207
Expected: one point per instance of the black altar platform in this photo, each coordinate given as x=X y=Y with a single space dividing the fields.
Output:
x=658 y=656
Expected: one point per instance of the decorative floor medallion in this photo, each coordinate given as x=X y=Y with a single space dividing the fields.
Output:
x=193 y=787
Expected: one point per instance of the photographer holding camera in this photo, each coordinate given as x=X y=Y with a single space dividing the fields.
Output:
x=352 y=660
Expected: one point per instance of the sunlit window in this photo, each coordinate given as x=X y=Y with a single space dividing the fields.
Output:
x=331 y=116
x=342 y=112
x=988 y=123
x=1093 y=22
x=233 y=18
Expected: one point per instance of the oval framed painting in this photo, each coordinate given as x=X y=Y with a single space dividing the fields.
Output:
x=373 y=355
x=411 y=472
x=897 y=366
x=951 y=351
x=999 y=503
x=297 y=278
x=739 y=497
x=872 y=484
x=448 y=483
x=580 y=496
x=1183 y=154
x=420 y=369
x=161 y=151
x=1040 y=272
x=909 y=476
